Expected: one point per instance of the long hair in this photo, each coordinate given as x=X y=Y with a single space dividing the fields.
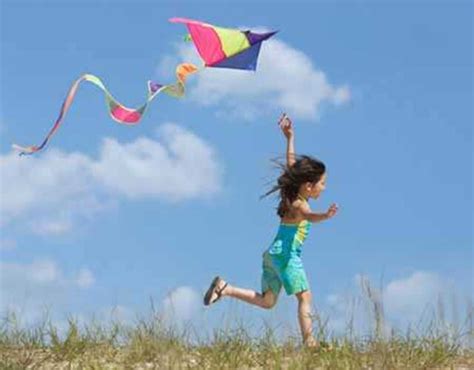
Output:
x=305 y=169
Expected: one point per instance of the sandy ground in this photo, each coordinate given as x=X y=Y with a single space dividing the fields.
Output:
x=44 y=359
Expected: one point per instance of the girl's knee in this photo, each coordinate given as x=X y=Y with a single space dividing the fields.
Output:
x=304 y=297
x=269 y=300
x=268 y=305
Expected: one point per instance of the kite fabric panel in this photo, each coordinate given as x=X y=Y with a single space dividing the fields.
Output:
x=218 y=47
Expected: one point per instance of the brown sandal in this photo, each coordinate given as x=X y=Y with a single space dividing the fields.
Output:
x=214 y=289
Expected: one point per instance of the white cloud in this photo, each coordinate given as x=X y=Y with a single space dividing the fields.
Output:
x=117 y=313
x=184 y=168
x=39 y=272
x=181 y=304
x=409 y=297
x=85 y=278
x=346 y=312
x=286 y=79
x=53 y=191
x=411 y=300
x=42 y=271
x=31 y=185
x=33 y=288
x=51 y=227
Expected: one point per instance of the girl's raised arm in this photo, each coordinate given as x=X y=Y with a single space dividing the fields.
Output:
x=287 y=129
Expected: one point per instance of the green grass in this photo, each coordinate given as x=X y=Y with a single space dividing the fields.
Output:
x=151 y=343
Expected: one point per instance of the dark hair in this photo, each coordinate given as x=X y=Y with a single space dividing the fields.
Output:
x=305 y=169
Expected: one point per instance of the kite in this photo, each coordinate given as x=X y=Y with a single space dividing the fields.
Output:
x=225 y=48
x=218 y=47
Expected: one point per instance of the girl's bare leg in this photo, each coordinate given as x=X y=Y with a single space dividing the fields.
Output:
x=265 y=300
x=304 y=318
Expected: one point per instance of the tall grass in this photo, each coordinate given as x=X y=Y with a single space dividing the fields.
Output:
x=152 y=343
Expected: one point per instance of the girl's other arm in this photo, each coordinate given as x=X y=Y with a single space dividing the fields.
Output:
x=287 y=129
x=317 y=217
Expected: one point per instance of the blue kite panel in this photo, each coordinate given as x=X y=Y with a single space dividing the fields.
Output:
x=245 y=60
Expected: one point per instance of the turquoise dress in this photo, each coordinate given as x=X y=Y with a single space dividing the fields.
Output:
x=282 y=264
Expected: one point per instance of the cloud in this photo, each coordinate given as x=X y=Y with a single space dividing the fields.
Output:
x=85 y=278
x=118 y=313
x=52 y=181
x=409 y=297
x=41 y=271
x=181 y=304
x=351 y=312
x=30 y=288
x=184 y=168
x=53 y=191
x=105 y=316
x=52 y=227
x=411 y=300
x=286 y=80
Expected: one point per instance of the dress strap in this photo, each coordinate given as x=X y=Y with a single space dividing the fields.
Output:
x=300 y=197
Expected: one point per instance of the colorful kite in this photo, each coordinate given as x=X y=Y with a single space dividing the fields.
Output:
x=223 y=47
x=218 y=47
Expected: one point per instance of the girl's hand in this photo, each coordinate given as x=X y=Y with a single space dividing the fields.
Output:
x=331 y=212
x=286 y=126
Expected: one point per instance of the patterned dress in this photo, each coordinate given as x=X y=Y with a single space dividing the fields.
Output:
x=282 y=264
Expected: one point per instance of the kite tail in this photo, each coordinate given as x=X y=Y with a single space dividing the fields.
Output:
x=117 y=111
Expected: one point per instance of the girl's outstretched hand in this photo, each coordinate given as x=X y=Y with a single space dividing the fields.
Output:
x=331 y=212
x=286 y=126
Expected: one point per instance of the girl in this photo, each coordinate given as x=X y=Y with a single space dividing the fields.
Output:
x=302 y=178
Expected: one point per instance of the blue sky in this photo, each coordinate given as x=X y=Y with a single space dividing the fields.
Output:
x=109 y=216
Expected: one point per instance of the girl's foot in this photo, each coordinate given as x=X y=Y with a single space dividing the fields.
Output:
x=311 y=342
x=215 y=291
x=314 y=344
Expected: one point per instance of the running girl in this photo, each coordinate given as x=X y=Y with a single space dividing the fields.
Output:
x=303 y=178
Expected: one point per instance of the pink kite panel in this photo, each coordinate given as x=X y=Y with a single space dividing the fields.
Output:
x=124 y=115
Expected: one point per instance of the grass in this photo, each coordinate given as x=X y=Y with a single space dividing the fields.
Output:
x=151 y=344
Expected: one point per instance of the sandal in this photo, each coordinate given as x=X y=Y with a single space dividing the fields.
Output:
x=214 y=290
